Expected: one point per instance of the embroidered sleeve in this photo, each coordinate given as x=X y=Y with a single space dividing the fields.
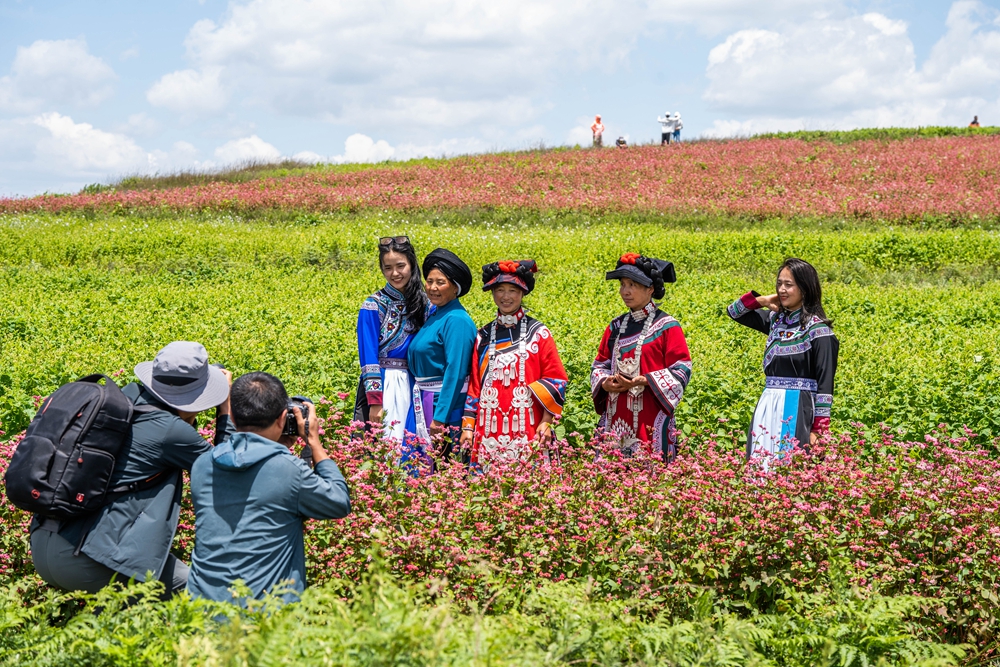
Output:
x=748 y=312
x=599 y=372
x=825 y=349
x=668 y=383
x=550 y=388
x=475 y=386
x=369 y=326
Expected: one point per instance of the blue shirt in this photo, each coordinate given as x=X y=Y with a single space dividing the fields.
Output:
x=250 y=497
x=442 y=352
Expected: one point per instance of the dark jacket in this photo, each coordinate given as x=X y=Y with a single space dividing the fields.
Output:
x=250 y=497
x=133 y=534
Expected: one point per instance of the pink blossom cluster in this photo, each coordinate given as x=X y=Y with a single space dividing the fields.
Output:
x=903 y=517
x=953 y=177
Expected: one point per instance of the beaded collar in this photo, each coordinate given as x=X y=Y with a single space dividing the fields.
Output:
x=640 y=315
x=509 y=321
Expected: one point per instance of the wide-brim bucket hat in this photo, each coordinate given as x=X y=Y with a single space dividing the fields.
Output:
x=182 y=378
x=629 y=267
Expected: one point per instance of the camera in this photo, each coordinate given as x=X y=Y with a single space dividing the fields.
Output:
x=292 y=426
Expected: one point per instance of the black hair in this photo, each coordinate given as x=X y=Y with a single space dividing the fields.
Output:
x=807 y=280
x=257 y=400
x=413 y=292
x=646 y=265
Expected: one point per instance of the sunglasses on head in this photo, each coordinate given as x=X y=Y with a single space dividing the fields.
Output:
x=389 y=240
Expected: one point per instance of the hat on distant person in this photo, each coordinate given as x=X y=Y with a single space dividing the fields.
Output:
x=520 y=273
x=646 y=271
x=181 y=377
x=451 y=266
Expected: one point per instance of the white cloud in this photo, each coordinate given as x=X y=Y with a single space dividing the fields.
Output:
x=55 y=72
x=246 y=149
x=435 y=63
x=856 y=71
x=361 y=148
x=309 y=156
x=52 y=152
x=83 y=148
x=129 y=54
x=189 y=91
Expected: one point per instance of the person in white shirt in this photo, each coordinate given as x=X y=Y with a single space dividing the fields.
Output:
x=598 y=131
x=678 y=126
x=666 y=127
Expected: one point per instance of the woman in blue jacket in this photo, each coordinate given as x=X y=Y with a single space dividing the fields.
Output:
x=440 y=353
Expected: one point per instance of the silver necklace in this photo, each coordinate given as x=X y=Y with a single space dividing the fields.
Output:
x=489 y=399
x=630 y=368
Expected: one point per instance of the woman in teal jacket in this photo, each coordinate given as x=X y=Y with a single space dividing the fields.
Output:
x=440 y=355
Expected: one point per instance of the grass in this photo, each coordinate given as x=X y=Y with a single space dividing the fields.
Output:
x=917 y=311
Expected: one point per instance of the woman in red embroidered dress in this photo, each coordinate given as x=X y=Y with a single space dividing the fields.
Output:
x=643 y=364
x=517 y=385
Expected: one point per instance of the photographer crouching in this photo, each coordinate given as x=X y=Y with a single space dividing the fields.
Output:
x=251 y=495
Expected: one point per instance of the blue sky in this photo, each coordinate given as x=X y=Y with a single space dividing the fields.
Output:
x=92 y=91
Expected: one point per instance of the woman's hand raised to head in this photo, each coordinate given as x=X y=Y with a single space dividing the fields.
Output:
x=771 y=302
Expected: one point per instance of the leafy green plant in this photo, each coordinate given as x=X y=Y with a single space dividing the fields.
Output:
x=381 y=621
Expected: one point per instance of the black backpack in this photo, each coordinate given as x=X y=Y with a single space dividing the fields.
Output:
x=62 y=468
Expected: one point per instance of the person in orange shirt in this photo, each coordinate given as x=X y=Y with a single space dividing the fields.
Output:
x=975 y=122
x=598 y=131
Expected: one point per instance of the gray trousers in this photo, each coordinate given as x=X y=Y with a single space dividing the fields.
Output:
x=57 y=566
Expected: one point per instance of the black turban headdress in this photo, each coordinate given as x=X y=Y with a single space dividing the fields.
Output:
x=520 y=273
x=646 y=271
x=451 y=266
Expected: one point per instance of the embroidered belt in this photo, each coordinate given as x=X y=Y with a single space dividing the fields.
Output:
x=433 y=384
x=802 y=384
x=394 y=363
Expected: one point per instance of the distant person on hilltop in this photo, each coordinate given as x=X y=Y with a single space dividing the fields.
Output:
x=597 y=129
x=678 y=126
x=666 y=127
x=975 y=122
x=621 y=143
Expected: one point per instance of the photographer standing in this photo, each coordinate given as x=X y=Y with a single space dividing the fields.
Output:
x=251 y=496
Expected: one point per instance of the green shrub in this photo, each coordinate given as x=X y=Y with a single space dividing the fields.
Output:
x=380 y=621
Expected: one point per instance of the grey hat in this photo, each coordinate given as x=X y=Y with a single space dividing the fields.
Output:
x=181 y=377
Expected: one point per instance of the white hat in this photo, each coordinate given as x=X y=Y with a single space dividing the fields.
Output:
x=181 y=377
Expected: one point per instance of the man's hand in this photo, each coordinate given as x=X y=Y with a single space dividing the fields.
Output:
x=311 y=436
x=375 y=413
x=223 y=408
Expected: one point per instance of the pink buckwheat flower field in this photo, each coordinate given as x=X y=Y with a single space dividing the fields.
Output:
x=952 y=178
x=878 y=545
